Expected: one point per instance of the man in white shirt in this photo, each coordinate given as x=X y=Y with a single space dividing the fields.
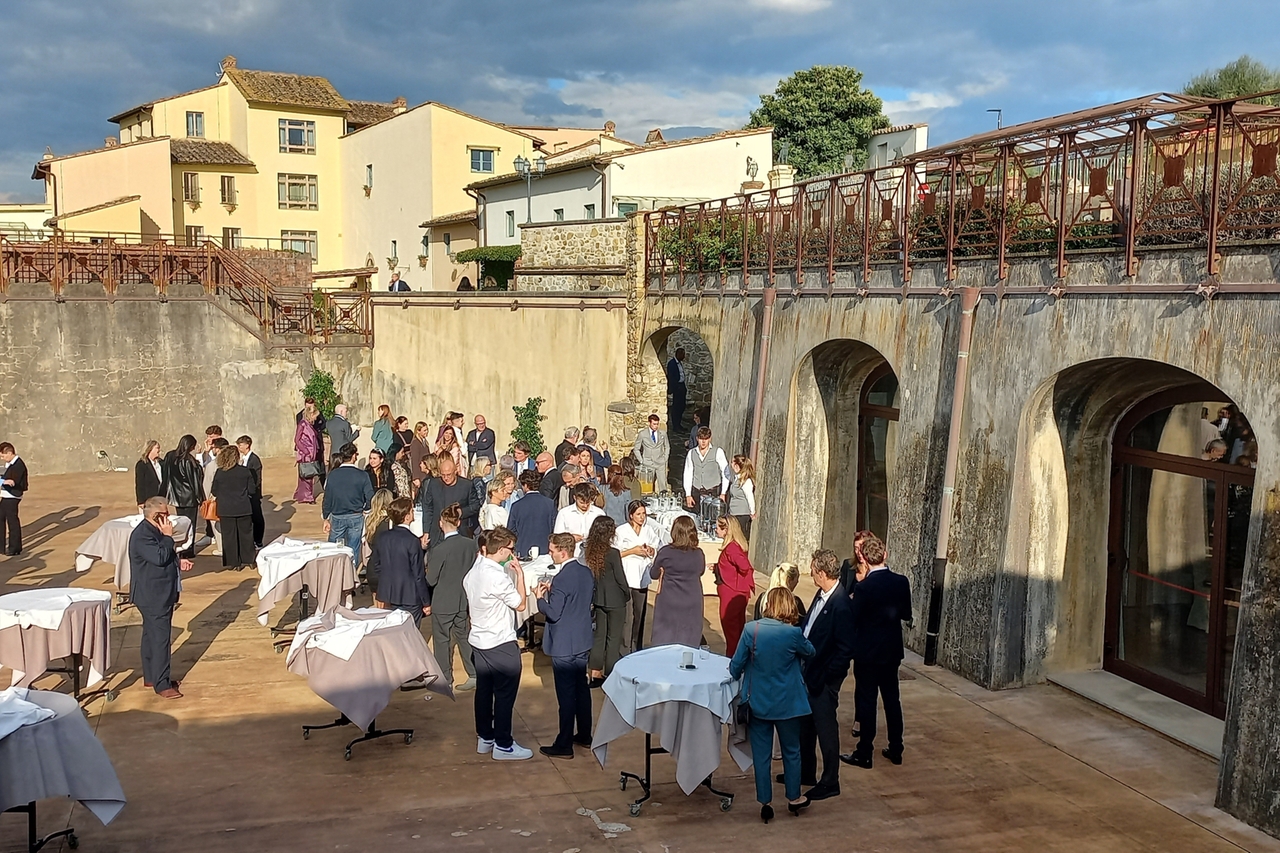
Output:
x=576 y=518
x=493 y=598
x=706 y=471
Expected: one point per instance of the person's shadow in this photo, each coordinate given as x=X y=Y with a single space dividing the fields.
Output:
x=40 y=532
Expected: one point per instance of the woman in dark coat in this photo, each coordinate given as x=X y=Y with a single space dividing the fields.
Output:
x=183 y=484
x=678 y=568
x=613 y=594
x=379 y=471
x=148 y=473
x=233 y=483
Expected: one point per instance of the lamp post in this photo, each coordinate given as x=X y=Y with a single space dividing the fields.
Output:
x=529 y=170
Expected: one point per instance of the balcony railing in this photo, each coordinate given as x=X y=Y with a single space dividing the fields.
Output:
x=1160 y=172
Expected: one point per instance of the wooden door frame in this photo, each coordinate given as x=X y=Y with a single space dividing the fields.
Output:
x=866 y=410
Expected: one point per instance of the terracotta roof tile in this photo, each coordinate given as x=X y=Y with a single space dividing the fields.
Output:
x=462 y=216
x=291 y=90
x=364 y=113
x=207 y=151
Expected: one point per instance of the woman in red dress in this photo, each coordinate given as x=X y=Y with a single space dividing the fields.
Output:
x=735 y=581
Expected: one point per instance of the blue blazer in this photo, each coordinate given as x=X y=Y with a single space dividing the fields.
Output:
x=881 y=603
x=568 y=611
x=768 y=661
x=402 y=575
x=832 y=636
x=154 y=569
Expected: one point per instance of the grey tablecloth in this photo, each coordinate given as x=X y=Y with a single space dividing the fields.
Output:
x=689 y=732
x=361 y=687
x=85 y=630
x=59 y=757
x=328 y=579
x=110 y=544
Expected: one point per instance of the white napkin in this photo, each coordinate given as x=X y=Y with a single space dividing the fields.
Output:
x=16 y=711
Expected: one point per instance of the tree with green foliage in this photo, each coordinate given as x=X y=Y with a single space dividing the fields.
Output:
x=823 y=114
x=1244 y=76
x=321 y=388
x=528 y=425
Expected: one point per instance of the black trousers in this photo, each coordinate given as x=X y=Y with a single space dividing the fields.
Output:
x=157 y=638
x=607 y=647
x=259 y=521
x=497 y=683
x=633 y=639
x=237 y=541
x=675 y=411
x=744 y=521
x=10 y=526
x=573 y=697
x=820 y=730
x=882 y=680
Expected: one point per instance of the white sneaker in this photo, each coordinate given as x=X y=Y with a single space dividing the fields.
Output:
x=515 y=752
x=483 y=747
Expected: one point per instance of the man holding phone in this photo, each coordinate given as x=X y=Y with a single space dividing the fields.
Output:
x=154 y=591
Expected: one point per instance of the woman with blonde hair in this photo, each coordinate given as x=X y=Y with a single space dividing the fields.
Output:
x=785 y=576
x=742 y=492
x=735 y=581
x=148 y=473
x=377 y=522
x=493 y=514
x=384 y=429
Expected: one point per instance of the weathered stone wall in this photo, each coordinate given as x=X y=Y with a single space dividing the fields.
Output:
x=283 y=269
x=573 y=256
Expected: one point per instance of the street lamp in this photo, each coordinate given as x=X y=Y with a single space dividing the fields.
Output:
x=529 y=170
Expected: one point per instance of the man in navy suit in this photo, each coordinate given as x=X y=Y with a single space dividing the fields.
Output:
x=829 y=627
x=402 y=580
x=566 y=601
x=154 y=591
x=678 y=388
x=881 y=603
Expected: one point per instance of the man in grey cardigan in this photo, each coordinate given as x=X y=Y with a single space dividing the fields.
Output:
x=652 y=450
x=341 y=433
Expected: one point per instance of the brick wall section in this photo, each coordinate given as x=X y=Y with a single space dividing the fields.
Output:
x=285 y=269
x=573 y=256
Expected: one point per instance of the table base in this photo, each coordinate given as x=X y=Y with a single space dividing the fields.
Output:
x=371 y=733
x=73 y=669
x=285 y=635
x=726 y=799
x=34 y=840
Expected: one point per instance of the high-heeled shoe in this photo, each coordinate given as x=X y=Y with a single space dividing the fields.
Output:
x=796 y=808
x=766 y=813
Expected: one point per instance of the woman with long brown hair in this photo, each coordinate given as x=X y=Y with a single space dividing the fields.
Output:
x=617 y=494
x=742 y=492
x=384 y=429
x=677 y=570
x=612 y=596
x=449 y=444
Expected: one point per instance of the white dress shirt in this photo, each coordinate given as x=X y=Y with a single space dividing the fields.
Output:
x=721 y=461
x=4 y=492
x=572 y=520
x=492 y=598
x=635 y=566
x=817 y=608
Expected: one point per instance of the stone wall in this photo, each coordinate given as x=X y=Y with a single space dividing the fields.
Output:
x=284 y=269
x=573 y=256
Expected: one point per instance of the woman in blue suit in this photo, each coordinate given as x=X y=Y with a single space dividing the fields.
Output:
x=768 y=661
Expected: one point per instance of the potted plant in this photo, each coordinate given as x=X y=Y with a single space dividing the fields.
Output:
x=422 y=261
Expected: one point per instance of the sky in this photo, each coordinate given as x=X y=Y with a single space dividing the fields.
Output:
x=692 y=65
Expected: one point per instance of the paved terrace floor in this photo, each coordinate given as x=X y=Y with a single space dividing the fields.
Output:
x=226 y=768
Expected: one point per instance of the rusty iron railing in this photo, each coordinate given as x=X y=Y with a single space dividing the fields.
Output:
x=1152 y=173
x=326 y=318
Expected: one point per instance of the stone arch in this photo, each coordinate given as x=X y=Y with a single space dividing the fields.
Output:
x=1051 y=603
x=825 y=440
x=658 y=348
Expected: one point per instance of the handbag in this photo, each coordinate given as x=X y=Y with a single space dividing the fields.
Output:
x=209 y=509
x=743 y=711
x=307 y=470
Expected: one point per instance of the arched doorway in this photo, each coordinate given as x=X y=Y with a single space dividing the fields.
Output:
x=655 y=391
x=878 y=434
x=1182 y=487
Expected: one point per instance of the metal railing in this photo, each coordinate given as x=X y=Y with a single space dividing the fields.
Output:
x=1161 y=172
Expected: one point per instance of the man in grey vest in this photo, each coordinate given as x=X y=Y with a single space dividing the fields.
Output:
x=706 y=471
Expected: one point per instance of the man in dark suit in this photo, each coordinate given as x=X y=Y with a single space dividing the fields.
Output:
x=677 y=388
x=448 y=562
x=438 y=492
x=154 y=591
x=250 y=460
x=881 y=603
x=12 y=486
x=398 y=286
x=481 y=441
x=532 y=522
x=568 y=447
x=341 y=432
x=829 y=627
x=552 y=481
x=566 y=602
x=402 y=575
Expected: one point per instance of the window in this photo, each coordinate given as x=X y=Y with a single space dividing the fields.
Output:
x=394 y=252
x=368 y=177
x=448 y=244
x=228 y=189
x=195 y=235
x=588 y=211
x=231 y=238
x=298 y=192
x=626 y=207
x=195 y=124
x=297 y=137
x=191 y=186
x=481 y=160
x=558 y=214
x=302 y=242
x=426 y=245
x=511 y=223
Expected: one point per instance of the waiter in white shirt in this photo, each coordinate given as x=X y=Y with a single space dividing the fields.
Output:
x=576 y=518
x=493 y=599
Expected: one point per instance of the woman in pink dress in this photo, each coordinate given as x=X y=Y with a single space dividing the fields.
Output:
x=305 y=452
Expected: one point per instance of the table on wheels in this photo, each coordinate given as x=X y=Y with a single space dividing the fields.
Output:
x=49 y=623
x=110 y=544
x=686 y=708
x=308 y=567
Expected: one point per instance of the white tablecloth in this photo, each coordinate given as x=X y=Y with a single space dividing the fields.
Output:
x=44 y=607
x=110 y=543
x=342 y=639
x=652 y=676
x=282 y=558
x=16 y=711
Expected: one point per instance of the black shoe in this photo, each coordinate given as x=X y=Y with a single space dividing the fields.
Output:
x=858 y=760
x=894 y=757
x=556 y=752
x=796 y=808
x=766 y=813
x=822 y=792
x=781 y=780
x=582 y=740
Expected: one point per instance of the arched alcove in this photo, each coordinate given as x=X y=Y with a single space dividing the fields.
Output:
x=699 y=369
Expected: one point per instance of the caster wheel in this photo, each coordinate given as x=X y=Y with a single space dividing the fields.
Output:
x=306 y=734
x=111 y=696
x=408 y=738
x=726 y=803
x=72 y=841
x=622 y=783
x=346 y=756
x=635 y=809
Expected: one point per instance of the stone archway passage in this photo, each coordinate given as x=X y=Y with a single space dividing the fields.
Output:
x=699 y=370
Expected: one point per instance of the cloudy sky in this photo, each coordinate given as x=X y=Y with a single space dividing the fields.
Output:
x=65 y=65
